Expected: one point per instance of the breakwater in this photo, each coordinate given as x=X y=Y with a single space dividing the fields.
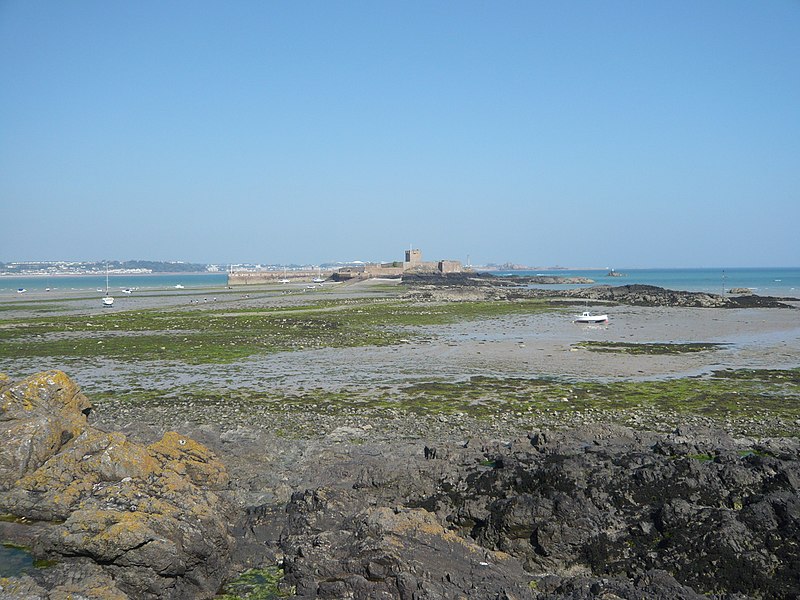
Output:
x=263 y=277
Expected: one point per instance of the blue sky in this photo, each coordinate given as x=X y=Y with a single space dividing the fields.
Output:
x=633 y=134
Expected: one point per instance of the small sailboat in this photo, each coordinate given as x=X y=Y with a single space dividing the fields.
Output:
x=285 y=279
x=319 y=278
x=108 y=300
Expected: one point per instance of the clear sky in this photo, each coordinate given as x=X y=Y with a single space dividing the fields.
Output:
x=577 y=133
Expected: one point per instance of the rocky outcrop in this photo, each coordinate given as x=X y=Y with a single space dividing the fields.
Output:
x=472 y=279
x=649 y=295
x=722 y=516
x=336 y=546
x=598 y=512
x=143 y=521
x=472 y=286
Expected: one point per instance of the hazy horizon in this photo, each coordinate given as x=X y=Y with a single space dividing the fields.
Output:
x=555 y=266
x=610 y=134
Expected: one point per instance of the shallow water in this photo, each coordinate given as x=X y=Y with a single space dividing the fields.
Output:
x=14 y=561
x=88 y=283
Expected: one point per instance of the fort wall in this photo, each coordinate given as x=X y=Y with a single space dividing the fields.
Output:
x=413 y=263
x=266 y=277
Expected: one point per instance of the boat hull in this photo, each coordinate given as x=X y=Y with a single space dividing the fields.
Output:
x=591 y=319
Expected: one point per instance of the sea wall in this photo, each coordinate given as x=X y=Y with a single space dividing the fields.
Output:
x=264 y=277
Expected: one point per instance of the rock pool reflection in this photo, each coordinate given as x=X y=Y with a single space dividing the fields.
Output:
x=14 y=560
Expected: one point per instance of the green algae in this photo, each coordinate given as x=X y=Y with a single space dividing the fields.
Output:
x=257 y=584
x=762 y=403
x=660 y=348
x=34 y=306
x=9 y=518
x=701 y=457
x=219 y=336
x=789 y=376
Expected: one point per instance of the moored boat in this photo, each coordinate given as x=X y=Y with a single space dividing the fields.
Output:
x=108 y=299
x=587 y=317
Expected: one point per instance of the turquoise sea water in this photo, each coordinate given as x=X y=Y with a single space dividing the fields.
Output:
x=115 y=282
x=762 y=281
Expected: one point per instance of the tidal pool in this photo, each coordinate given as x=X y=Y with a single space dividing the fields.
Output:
x=14 y=561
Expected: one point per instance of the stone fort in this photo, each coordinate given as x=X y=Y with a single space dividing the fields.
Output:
x=413 y=263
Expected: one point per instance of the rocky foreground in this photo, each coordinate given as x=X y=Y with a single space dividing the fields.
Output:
x=600 y=512
x=120 y=519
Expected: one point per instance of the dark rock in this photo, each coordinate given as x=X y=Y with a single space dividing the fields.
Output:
x=598 y=512
x=482 y=286
x=649 y=295
x=382 y=552
x=472 y=279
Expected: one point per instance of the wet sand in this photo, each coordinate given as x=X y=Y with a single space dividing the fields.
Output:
x=531 y=346
x=543 y=346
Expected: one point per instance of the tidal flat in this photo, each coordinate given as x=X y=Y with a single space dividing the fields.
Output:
x=306 y=360
x=417 y=419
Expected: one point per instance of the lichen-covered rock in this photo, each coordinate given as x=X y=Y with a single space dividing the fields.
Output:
x=74 y=580
x=37 y=417
x=150 y=516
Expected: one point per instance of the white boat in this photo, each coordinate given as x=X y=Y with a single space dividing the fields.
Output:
x=21 y=290
x=587 y=317
x=108 y=300
x=178 y=286
x=319 y=278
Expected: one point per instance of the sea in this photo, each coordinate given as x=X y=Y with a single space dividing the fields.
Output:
x=784 y=282
x=142 y=282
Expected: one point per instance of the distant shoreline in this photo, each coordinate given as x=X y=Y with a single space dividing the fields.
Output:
x=110 y=274
x=523 y=268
